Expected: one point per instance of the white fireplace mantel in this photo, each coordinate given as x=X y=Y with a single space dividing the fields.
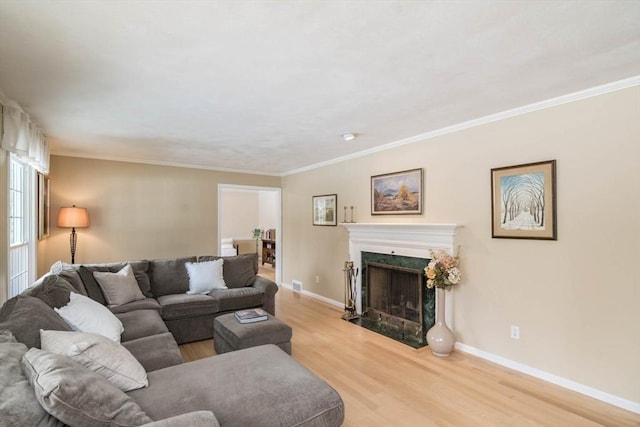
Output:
x=405 y=239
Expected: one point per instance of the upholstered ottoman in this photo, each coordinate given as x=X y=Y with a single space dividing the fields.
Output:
x=230 y=335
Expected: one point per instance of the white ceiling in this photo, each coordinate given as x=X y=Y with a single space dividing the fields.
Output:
x=269 y=86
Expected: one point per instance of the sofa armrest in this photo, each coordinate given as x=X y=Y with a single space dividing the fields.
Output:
x=190 y=419
x=269 y=288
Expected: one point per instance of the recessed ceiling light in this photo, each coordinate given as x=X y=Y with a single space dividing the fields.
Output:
x=348 y=136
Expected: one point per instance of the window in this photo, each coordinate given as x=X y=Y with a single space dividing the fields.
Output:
x=21 y=220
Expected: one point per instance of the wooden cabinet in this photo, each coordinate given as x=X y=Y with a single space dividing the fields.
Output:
x=269 y=252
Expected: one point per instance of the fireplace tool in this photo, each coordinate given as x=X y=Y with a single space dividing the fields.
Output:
x=350 y=291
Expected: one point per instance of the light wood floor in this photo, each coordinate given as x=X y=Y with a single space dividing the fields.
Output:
x=385 y=383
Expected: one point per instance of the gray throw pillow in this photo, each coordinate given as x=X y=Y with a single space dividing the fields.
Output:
x=18 y=404
x=240 y=271
x=53 y=291
x=24 y=316
x=76 y=395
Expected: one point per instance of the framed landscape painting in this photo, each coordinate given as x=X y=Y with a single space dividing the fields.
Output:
x=325 y=209
x=523 y=201
x=397 y=193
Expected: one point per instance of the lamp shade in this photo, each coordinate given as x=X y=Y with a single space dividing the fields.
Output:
x=73 y=217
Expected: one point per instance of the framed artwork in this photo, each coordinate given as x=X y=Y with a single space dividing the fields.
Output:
x=397 y=193
x=43 y=206
x=523 y=201
x=325 y=209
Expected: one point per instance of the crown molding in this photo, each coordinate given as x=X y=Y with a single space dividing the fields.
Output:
x=549 y=103
x=160 y=163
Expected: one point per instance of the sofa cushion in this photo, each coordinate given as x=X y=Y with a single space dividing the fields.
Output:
x=143 y=304
x=141 y=323
x=169 y=276
x=76 y=395
x=190 y=419
x=259 y=386
x=86 y=315
x=236 y=299
x=155 y=351
x=53 y=291
x=119 y=288
x=100 y=354
x=18 y=404
x=184 y=305
x=205 y=276
x=24 y=316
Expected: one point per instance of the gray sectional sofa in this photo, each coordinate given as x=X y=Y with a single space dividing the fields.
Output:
x=259 y=386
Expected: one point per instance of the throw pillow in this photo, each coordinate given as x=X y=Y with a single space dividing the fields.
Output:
x=24 y=316
x=76 y=395
x=205 y=276
x=107 y=358
x=53 y=291
x=240 y=271
x=87 y=315
x=91 y=285
x=119 y=288
x=18 y=404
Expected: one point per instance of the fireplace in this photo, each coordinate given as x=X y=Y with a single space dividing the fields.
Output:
x=404 y=250
x=394 y=298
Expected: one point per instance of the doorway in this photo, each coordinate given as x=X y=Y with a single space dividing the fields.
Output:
x=243 y=209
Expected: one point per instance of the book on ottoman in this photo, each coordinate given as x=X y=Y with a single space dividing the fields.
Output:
x=250 y=316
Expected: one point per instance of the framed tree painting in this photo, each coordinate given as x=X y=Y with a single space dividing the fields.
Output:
x=325 y=209
x=523 y=201
x=397 y=193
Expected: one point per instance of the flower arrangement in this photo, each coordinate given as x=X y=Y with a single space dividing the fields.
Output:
x=442 y=271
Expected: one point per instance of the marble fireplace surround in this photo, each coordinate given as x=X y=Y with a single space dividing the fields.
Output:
x=406 y=239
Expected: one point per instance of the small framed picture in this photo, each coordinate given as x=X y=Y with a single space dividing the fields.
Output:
x=397 y=193
x=325 y=209
x=523 y=201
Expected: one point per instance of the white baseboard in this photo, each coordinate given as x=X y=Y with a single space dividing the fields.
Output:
x=315 y=296
x=554 y=379
x=537 y=373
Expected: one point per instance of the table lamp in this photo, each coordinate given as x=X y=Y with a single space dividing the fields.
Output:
x=73 y=218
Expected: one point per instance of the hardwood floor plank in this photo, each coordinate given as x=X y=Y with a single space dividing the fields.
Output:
x=384 y=382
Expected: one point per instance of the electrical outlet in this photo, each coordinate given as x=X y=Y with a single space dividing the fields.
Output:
x=515 y=332
x=317 y=279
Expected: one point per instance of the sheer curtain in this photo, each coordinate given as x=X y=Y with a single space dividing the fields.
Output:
x=21 y=137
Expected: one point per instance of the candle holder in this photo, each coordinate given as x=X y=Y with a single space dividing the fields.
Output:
x=350 y=291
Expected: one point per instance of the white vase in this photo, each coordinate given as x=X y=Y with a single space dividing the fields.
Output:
x=440 y=338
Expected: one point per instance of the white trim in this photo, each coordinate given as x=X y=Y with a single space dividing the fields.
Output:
x=161 y=163
x=329 y=301
x=549 y=103
x=551 y=378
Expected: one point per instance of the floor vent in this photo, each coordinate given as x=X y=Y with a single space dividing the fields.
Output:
x=296 y=285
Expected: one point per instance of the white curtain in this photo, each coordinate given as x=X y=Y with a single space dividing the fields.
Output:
x=21 y=137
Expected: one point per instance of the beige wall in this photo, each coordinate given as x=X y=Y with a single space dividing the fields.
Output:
x=576 y=300
x=136 y=210
x=239 y=213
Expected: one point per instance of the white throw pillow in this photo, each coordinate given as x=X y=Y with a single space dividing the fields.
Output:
x=86 y=315
x=205 y=276
x=102 y=355
x=119 y=288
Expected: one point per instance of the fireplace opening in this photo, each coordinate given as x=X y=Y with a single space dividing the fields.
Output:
x=395 y=295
